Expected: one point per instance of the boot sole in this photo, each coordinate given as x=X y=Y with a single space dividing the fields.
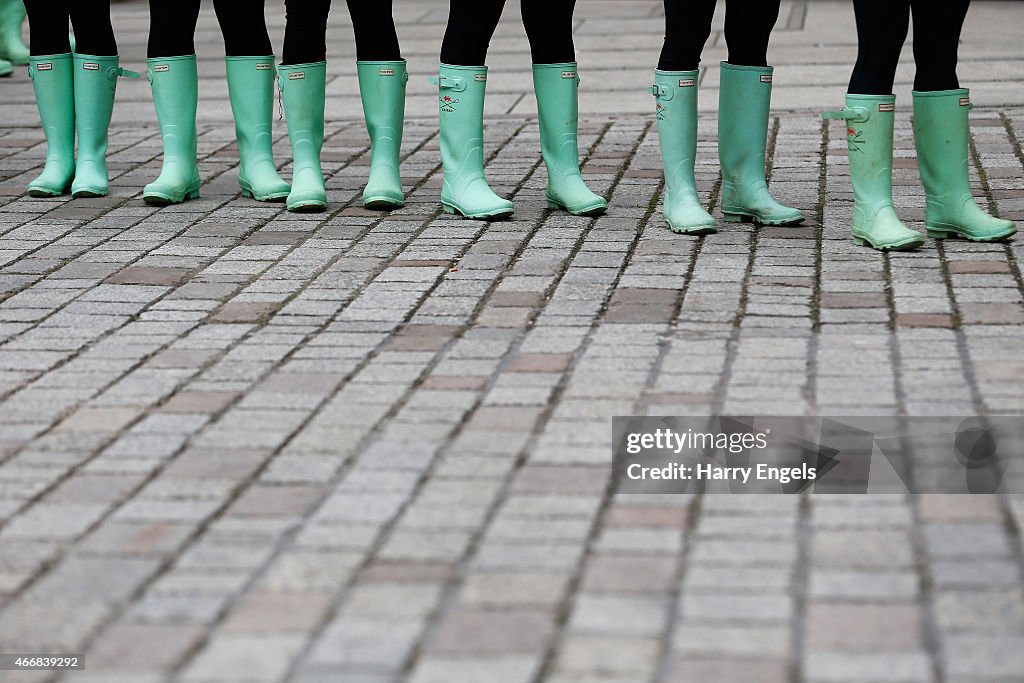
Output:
x=729 y=217
x=166 y=200
x=88 y=194
x=907 y=245
x=696 y=231
x=312 y=207
x=501 y=213
x=943 y=233
x=265 y=198
x=382 y=204
x=588 y=212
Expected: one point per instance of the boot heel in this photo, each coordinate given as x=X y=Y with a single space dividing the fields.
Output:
x=937 y=234
x=861 y=242
x=554 y=205
x=736 y=218
x=192 y=194
x=246 y=193
x=448 y=209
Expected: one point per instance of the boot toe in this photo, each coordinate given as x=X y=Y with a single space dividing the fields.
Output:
x=380 y=199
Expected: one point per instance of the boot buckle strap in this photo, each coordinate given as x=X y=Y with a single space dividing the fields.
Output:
x=856 y=114
x=449 y=82
x=660 y=92
x=115 y=72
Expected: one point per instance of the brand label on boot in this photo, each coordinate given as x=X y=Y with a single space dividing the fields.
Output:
x=91 y=66
x=263 y=67
x=386 y=72
x=766 y=78
x=480 y=78
x=46 y=66
x=568 y=74
x=887 y=107
x=686 y=83
x=965 y=101
x=297 y=76
x=161 y=68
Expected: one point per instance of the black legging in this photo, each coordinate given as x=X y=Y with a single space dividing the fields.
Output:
x=471 y=24
x=748 y=25
x=305 y=35
x=881 y=31
x=172 y=28
x=48 y=27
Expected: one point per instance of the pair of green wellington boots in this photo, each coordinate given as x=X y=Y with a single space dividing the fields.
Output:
x=941 y=130
x=461 y=91
x=744 y=104
x=175 y=85
x=74 y=93
x=382 y=88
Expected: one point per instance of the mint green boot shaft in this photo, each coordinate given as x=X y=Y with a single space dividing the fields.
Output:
x=461 y=91
x=12 y=47
x=175 y=84
x=251 y=89
x=382 y=89
x=303 y=94
x=676 y=95
x=870 y=120
x=941 y=130
x=95 y=85
x=557 y=89
x=53 y=83
x=745 y=96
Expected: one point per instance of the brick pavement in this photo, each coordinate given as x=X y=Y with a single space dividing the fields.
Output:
x=244 y=445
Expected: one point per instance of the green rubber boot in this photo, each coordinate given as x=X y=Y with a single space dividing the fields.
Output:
x=745 y=96
x=95 y=83
x=461 y=91
x=676 y=96
x=251 y=89
x=302 y=90
x=53 y=82
x=557 y=90
x=941 y=129
x=12 y=47
x=175 y=83
x=382 y=88
x=6 y=68
x=869 y=135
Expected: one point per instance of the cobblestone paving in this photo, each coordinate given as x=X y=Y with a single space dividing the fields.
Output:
x=244 y=445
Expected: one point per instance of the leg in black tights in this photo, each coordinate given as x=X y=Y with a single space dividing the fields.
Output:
x=936 y=52
x=548 y=25
x=748 y=26
x=881 y=32
x=244 y=28
x=48 y=27
x=172 y=28
x=882 y=27
x=471 y=24
x=305 y=36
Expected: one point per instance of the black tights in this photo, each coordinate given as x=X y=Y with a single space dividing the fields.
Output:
x=48 y=27
x=172 y=27
x=881 y=31
x=471 y=24
x=305 y=35
x=748 y=25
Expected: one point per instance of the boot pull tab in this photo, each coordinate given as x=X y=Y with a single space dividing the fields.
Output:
x=857 y=115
